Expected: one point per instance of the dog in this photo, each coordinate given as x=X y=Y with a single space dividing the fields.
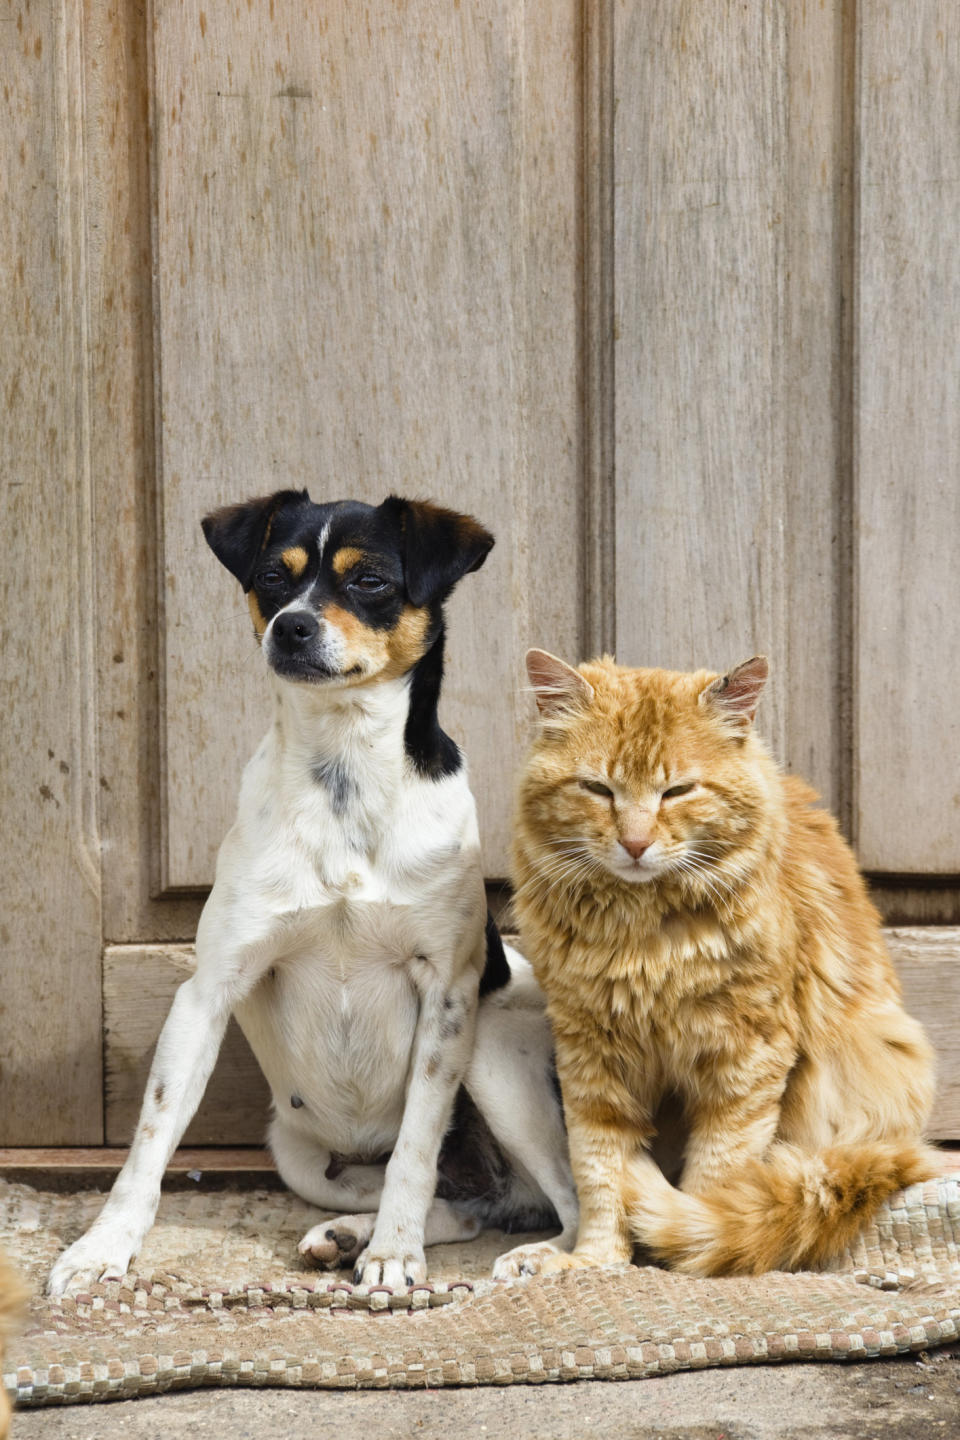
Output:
x=347 y=926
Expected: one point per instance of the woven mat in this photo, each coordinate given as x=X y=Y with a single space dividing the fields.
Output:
x=220 y=1300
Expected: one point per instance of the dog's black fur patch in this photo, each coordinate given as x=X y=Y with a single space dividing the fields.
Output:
x=496 y=972
x=429 y=747
x=335 y=778
x=474 y=1174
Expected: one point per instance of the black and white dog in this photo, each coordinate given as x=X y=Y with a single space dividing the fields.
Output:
x=347 y=927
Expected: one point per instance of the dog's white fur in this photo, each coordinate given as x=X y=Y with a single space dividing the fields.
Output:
x=345 y=930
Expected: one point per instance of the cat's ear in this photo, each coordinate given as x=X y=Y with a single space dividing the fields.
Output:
x=558 y=687
x=734 y=697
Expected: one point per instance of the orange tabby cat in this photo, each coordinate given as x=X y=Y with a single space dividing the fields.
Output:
x=701 y=929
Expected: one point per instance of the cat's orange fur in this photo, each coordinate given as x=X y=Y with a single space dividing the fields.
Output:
x=716 y=943
x=12 y=1297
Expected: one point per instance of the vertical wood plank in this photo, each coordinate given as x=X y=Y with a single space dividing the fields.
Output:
x=599 y=330
x=908 y=439
x=50 y=1052
x=700 y=136
x=366 y=251
x=816 y=289
x=121 y=389
x=731 y=273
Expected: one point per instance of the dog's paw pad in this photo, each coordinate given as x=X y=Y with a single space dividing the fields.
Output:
x=335 y=1244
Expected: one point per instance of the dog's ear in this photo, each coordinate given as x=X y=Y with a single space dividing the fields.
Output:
x=237 y=533
x=439 y=547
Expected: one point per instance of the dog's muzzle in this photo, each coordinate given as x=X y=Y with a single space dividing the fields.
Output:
x=296 y=648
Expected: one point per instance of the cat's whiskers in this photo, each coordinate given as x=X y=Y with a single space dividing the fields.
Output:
x=567 y=861
x=691 y=865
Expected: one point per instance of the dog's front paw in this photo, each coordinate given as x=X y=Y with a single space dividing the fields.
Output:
x=335 y=1244
x=398 y=1270
x=524 y=1260
x=104 y=1253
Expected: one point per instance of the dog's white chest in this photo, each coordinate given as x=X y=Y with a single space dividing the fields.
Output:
x=348 y=883
x=332 y=1026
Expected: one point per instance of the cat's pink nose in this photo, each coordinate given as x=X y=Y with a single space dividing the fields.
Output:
x=635 y=848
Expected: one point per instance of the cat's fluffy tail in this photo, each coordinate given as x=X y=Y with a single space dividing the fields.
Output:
x=791 y=1211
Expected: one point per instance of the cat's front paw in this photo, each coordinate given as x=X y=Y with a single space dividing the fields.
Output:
x=524 y=1260
x=335 y=1244
x=574 y=1260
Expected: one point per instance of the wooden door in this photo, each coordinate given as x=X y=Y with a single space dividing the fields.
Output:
x=666 y=294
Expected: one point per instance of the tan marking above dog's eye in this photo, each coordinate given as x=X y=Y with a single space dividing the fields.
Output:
x=296 y=560
x=346 y=558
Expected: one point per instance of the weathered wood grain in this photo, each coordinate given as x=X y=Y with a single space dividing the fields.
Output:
x=908 y=439
x=120 y=383
x=208 y=1160
x=928 y=963
x=701 y=170
x=731 y=278
x=366 y=260
x=50 y=1071
x=139 y=983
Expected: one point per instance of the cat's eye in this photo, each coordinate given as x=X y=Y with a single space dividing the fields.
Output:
x=597 y=787
x=676 y=790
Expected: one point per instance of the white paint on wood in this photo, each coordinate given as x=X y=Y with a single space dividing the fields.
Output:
x=908 y=439
x=366 y=283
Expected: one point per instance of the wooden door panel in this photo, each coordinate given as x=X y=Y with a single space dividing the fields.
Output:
x=727 y=292
x=365 y=248
x=50 y=1042
x=908 y=441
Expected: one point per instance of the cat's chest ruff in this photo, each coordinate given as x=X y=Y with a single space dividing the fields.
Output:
x=680 y=955
x=652 y=987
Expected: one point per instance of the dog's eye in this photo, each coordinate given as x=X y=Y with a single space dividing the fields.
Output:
x=270 y=579
x=369 y=584
x=676 y=790
x=597 y=787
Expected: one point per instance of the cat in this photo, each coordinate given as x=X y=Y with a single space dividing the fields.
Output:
x=702 y=930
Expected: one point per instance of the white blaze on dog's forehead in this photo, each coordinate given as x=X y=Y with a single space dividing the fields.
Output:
x=322 y=539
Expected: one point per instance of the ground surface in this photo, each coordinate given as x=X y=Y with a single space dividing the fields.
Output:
x=908 y=1399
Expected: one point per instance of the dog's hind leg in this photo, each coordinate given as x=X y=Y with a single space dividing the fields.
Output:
x=305 y=1165
x=307 y=1168
x=336 y=1243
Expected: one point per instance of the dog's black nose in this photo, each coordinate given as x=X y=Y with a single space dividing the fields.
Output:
x=294 y=629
